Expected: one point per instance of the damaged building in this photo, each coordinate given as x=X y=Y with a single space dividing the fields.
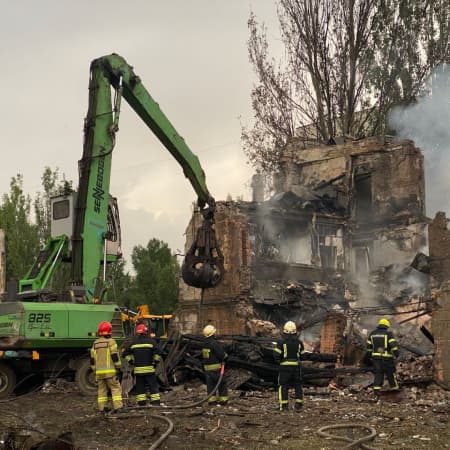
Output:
x=342 y=219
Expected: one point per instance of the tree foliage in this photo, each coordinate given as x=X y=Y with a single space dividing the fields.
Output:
x=156 y=280
x=347 y=63
x=22 y=240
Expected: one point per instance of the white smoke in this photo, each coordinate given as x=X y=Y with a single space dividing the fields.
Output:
x=427 y=123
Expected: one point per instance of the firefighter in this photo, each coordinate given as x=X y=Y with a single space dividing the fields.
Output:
x=214 y=356
x=105 y=363
x=382 y=349
x=287 y=353
x=143 y=354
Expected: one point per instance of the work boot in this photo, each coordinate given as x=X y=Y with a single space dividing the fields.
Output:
x=155 y=402
x=105 y=410
x=284 y=407
x=118 y=411
x=298 y=406
x=142 y=402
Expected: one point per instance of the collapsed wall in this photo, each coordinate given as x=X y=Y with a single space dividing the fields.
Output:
x=339 y=215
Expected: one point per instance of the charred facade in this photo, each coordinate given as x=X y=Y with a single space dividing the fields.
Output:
x=339 y=214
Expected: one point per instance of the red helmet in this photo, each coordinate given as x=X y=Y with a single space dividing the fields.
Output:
x=104 y=328
x=141 y=329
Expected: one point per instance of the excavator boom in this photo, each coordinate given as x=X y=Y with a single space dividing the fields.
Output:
x=203 y=266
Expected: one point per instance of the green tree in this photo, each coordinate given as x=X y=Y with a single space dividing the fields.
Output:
x=347 y=63
x=22 y=238
x=120 y=284
x=156 y=280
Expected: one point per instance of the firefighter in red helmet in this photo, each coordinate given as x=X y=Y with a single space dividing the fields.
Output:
x=143 y=353
x=105 y=363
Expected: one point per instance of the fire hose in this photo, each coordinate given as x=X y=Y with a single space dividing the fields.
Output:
x=166 y=434
x=354 y=443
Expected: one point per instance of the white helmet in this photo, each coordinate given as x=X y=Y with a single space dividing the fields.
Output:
x=209 y=330
x=290 y=327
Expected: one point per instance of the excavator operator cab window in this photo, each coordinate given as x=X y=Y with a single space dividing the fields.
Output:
x=61 y=209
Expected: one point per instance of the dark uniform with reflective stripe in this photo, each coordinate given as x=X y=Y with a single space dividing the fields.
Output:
x=383 y=349
x=213 y=355
x=143 y=353
x=288 y=353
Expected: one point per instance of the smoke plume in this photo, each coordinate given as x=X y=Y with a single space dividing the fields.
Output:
x=427 y=123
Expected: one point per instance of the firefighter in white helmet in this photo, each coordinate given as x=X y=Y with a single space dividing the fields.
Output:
x=288 y=352
x=214 y=356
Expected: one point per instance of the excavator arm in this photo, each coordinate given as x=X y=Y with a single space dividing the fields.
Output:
x=203 y=265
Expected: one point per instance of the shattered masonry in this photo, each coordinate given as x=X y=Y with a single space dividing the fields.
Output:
x=339 y=215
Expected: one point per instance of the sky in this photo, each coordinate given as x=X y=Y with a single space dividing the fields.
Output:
x=192 y=58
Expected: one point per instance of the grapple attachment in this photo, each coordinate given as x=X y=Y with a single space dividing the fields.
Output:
x=203 y=264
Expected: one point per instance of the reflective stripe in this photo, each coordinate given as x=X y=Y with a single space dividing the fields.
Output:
x=212 y=399
x=141 y=397
x=157 y=358
x=376 y=388
x=298 y=400
x=284 y=350
x=155 y=397
x=144 y=369
x=394 y=349
x=105 y=371
x=289 y=363
x=224 y=398
x=102 y=399
x=116 y=398
x=277 y=350
x=391 y=340
x=212 y=366
x=396 y=386
x=141 y=346
x=129 y=357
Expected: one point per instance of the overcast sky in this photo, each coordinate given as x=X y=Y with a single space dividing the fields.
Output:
x=192 y=57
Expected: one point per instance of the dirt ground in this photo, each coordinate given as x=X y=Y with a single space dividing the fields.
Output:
x=417 y=419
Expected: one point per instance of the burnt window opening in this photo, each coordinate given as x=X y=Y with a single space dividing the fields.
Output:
x=362 y=261
x=327 y=239
x=328 y=257
x=363 y=197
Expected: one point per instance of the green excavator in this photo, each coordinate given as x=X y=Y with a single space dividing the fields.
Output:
x=48 y=333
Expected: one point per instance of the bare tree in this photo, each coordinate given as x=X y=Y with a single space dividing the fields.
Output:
x=347 y=63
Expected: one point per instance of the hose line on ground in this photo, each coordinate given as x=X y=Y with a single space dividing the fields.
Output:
x=165 y=435
x=354 y=443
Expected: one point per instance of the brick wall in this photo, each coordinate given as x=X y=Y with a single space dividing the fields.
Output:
x=441 y=334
